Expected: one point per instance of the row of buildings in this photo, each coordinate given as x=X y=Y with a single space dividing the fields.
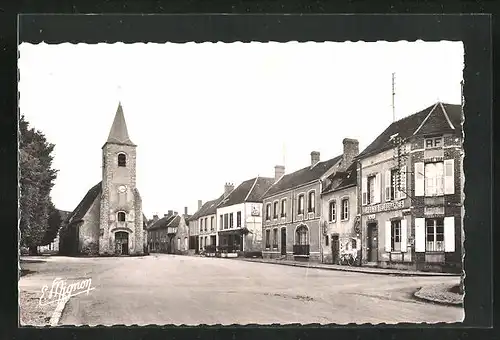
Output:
x=397 y=204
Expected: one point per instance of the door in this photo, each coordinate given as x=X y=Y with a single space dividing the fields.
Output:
x=372 y=242
x=283 y=241
x=121 y=243
x=335 y=249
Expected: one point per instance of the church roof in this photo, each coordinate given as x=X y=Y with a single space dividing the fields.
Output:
x=82 y=208
x=119 y=133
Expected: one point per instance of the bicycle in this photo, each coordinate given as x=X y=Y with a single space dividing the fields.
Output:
x=347 y=258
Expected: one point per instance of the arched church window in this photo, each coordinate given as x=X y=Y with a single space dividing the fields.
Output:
x=121 y=216
x=122 y=159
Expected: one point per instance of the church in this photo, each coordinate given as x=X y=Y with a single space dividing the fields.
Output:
x=109 y=219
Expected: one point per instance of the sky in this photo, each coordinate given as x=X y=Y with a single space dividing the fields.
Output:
x=203 y=114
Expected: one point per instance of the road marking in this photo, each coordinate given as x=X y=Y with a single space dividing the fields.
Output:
x=56 y=316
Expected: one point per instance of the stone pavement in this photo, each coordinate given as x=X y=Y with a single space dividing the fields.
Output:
x=366 y=270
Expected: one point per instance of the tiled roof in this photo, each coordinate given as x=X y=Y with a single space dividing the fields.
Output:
x=119 y=133
x=209 y=208
x=302 y=176
x=248 y=191
x=406 y=127
x=344 y=179
x=168 y=221
x=82 y=208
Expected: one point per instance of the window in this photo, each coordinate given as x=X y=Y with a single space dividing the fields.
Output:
x=206 y=220
x=396 y=235
x=201 y=224
x=332 y=212
x=370 y=198
x=268 y=235
x=121 y=216
x=310 y=202
x=221 y=223
x=226 y=221
x=212 y=223
x=283 y=208
x=392 y=187
x=238 y=219
x=122 y=159
x=354 y=243
x=268 y=211
x=435 y=142
x=434 y=179
x=185 y=243
x=327 y=240
x=345 y=209
x=231 y=220
x=178 y=243
x=434 y=234
x=275 y=210
x=275 y=238
x=301 y=205
x=301 y=235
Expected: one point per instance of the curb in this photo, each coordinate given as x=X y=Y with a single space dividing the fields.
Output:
x=424 y=298
x=56 y=316
x=352 y=270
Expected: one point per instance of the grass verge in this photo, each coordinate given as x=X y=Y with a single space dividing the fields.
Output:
x=442 y=293
x=30 y=312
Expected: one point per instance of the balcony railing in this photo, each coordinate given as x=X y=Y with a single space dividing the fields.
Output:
x=300 y=249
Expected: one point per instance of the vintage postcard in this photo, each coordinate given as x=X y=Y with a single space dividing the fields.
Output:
x=241 y=183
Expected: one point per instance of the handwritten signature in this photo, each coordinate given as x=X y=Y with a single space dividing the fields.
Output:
x=60 y=290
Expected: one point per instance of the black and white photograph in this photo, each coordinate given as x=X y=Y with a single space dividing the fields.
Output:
x=241 y=183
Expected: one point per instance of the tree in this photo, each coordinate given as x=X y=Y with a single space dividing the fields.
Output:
x=36 y=179
x=54 y=222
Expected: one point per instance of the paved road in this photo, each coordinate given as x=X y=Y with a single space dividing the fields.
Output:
x=166 y=289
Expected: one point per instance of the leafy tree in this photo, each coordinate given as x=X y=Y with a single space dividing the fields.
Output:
x=36 y=179
x=53 y=224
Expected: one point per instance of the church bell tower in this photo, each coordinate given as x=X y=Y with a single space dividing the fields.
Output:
x=121 y=209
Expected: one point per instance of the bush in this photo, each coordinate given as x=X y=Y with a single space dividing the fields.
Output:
x=210 y=248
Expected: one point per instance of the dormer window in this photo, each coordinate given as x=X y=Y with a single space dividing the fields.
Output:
x=121 y=216
x=122 y=160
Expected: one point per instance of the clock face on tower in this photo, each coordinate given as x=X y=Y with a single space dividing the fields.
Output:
x=122 y=188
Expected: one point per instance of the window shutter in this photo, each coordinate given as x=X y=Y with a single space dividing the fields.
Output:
x=419 y=179
x=378 y=187
x=449 y=234
x=404 y=235
x=387 y=185
x=364 y=190
x=449 y=178
x=404 y=178
x=420 y=235
x=388 y=236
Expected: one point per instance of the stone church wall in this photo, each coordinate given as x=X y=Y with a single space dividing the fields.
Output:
x=88 y=233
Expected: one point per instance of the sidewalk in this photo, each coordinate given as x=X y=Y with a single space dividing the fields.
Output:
x=366 y=270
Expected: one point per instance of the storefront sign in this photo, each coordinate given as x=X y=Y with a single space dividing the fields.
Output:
x=383 y=207
x=255 y=210
x=372 y=217
x=434 y=210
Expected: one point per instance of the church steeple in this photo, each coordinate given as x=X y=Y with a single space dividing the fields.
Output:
x=119 y=133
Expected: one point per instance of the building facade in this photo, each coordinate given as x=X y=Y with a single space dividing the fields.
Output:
x=163 y=234
x=292 y=211
x=109 y=219
x=410 y=195
x=207 y=223
x=239 y=219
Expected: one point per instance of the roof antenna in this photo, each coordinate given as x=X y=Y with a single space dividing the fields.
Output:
x=393 y=95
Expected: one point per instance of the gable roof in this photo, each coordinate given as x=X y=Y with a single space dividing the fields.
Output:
x=302 y=176
x=209 y=208
x=167 y=221
x=438 y=118
x=119 y=132
x=85 y=204
x=343 y=179
x=248 y=191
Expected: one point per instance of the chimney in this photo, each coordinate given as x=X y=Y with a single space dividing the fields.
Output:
x=200 y=203
x=279 y=171
x=185 y=211
x=351 y=150
x=170 y=212
x=228 y=187
x=155 y=218
x=314 y=157
x=166 y=215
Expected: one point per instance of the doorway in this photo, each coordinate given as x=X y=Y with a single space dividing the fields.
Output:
x=283 y=241
x=372 y=255
x=121 y=243
x=335 y=248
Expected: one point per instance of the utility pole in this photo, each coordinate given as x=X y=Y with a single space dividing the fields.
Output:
x=393 y=94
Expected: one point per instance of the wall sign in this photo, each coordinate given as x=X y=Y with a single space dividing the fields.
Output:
x=383 y=207
x=372 y=217
x=433 y=211
x=255 y=211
